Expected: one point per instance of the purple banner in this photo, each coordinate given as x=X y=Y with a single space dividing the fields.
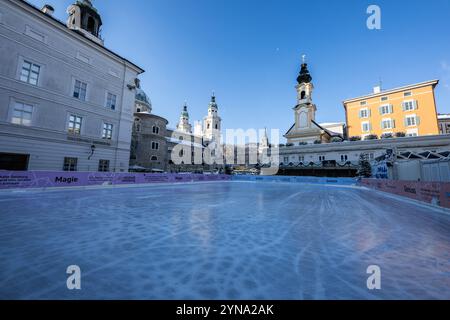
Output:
x=53 y=179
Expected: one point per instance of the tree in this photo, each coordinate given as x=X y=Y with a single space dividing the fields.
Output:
x=364 y=167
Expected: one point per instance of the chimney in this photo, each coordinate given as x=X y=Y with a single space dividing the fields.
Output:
x=48 y=9
x=377 y=89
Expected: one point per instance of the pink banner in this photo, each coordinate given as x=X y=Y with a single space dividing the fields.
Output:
x=51 y=179
x=437 y=193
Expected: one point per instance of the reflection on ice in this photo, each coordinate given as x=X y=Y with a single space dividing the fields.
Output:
x=226 y=240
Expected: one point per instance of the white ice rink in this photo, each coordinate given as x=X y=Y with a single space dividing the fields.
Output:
x=221 y=240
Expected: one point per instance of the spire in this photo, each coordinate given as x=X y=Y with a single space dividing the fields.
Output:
x=184 y=112
x=213 y=103
x=304 y=76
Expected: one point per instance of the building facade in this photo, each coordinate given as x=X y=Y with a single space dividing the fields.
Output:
x=444 y=123
x=409 y=110
x=148 y=142
x=66 y=101
x=155 y=147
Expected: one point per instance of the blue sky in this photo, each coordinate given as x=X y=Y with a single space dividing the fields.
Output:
x=249 y=52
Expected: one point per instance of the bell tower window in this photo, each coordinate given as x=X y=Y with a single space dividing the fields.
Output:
x=91 y=25
x=303 y=95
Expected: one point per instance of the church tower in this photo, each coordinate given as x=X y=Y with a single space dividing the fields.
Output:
x=84 y=18
x=184 y=125
x=304 y=130
x=305 y=111
x=212 y=122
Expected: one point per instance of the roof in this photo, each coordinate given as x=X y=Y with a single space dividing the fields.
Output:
x=150 y=115
x=77 y=34
x=444 y=116
x=390 y=91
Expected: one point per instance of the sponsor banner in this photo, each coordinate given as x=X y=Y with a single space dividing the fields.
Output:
x=437 y=193
x=51 y=179
x=296 y=179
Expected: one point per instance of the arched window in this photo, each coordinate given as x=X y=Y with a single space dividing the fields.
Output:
x=181 y=138
x=208 y=126
x=181 y=153
x=154 y=158
x=91 y=25
x=303 y=95
x=216 y=126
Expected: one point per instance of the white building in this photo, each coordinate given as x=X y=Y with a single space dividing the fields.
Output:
x=66 y=101
x=444 y=123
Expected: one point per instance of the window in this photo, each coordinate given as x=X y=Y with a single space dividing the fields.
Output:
x=22 y=114
x=286 y=159
x=111 y=101
x=409 y=105
x=412 y=133
x=181 y=138
x=364 y=113
x=407 y=94
x=154 y=158
x=155 y=130
x=80 y=89
x=321 y=158
x=208 y=126
x=411 y=121
x=384 y=99
x=75 y=124
x=155 y=145
x=70 y=164
x=365 y=126
x=216 y=126
x=107 y=131
x=387 y=124
x=301 y=158
x=344 y=158
x=103 y=165
x=363 y=103
x=30 y=73
x=385 y=109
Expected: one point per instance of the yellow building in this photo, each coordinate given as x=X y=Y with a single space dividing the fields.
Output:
x=409 y=109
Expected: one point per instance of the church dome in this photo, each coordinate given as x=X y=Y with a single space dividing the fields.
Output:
x=141 y=96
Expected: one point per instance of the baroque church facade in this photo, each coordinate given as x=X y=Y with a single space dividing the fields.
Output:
x=158 y=148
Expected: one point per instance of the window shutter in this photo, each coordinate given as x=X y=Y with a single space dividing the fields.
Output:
x=380 y=110
x=415 y=105
x=393 y=123
x=403 y=106
x=405 y=122
x=370 y=126
x=391 y=108
x=382 y=124
x=359 y=114
x=417 y=120
x=369 y=112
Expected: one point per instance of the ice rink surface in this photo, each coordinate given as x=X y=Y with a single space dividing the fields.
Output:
x=221 y=240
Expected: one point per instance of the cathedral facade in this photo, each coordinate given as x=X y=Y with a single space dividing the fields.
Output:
x=185 y=148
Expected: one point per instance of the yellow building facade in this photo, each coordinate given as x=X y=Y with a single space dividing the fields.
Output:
x=409 y=109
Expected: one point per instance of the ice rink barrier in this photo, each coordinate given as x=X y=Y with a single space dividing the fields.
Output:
x=437 y=193
x=54 y=179
x=296 y=179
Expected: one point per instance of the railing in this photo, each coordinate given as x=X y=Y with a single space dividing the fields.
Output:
x=55 y=179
